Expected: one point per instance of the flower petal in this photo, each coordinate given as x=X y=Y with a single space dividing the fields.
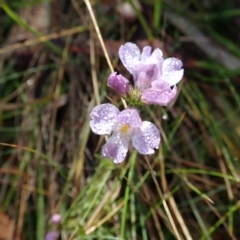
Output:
x=56 y=218
x=116 y=148
x=146 y=53
x=161 y=96
x=103 y=118
x=129 y=54
x=146 y=138
x=171 y=71
x=157 y=54
x=130 y=117
x=161 y=85
x=146 y=73
x=52 y=235
x=118 y=83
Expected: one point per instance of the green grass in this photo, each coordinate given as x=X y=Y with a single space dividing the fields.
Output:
x=51 y=161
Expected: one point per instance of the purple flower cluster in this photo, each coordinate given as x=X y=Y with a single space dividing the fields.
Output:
x=155 y=82
x=154 y=78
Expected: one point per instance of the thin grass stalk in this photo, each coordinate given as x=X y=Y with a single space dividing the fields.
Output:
x=213 y=228
x=197 y=215
x=163 y=201
x=43 y=39
x=132 y=161
x=143 y=21
x=89 y=7
x=56 y=95
x=143 y=227
x=88 y=4
x=133 y=213
x=171 y=200
x=23 y=24
x=93 y=68
x=40 y=205
x=157 y=14
x=43 y=156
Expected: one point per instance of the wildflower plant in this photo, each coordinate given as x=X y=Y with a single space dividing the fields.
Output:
x=124 y=126
x=155 y=82
x=154 y=78
x=54 y=233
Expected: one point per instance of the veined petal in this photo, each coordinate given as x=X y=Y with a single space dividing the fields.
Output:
x=161 y=85
x=146 y=73
x=171 y=71
x=116 y=148
x=146 y=53
x=103 y=118
x=160 y=97
x=148 y=70
x=118 y=83
x=130 y=117
x=146 y=138
x=129 y=54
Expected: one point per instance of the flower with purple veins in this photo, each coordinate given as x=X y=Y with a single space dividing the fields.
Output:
x=148 y=68
x=124 y=126
x=131 y=56
x=164 y=90
x=159 y=93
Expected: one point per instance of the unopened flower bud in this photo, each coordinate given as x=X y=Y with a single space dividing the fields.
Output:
x=118 y=83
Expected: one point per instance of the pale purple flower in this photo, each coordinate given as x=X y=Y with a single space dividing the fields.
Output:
x=52 y=235
x=160 y=93
x=123 y=127
x=56 y=218
x=147 y=68
x=118 y=83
